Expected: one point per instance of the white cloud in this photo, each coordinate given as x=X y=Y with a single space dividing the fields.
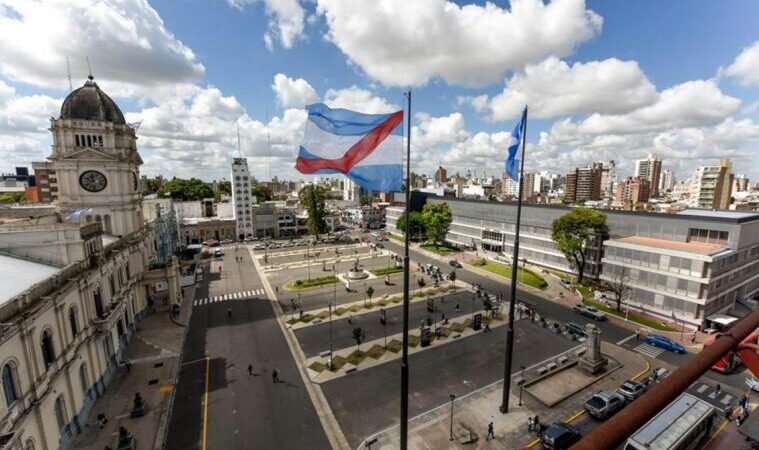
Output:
x=292 y=93
x=23 y=126
x=401 y=43
x=554 y=88
x=358 y=99
x=125 y=40
x=286 y=20
x=745 y=68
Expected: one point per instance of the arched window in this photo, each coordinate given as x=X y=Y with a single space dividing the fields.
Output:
x=98 y=302
x=76 y=136
x=107 y=223
x=60 y=412
x=48 y=352
x=9 y=385
x=84 y=380
x=89 y=140
x=74 y=321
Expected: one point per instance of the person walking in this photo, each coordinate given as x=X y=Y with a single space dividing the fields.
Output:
x=274 y=376
x=637 y=334
x=250 y=370
x=491 y=434
x=693 y=338
x=529 y=423
x=536 y=424
x=717 y=390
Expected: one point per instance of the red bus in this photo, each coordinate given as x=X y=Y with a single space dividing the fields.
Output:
x=730 y=362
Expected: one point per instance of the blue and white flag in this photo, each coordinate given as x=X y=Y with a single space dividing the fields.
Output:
x=367 y=148
x=512 y=163
x=77 y=214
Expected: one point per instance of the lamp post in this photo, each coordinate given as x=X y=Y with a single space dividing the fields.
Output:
x=521 y=386
x=334 y=287
x=473 y=310
x=329 y=308
x=308 y=263
x=626 y=289
x=300 y=303
x=452 y=397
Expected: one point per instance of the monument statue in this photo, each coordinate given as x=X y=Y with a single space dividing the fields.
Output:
x=592 y=361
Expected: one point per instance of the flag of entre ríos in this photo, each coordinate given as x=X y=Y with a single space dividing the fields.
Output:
x=512 y=163
x=367 y=148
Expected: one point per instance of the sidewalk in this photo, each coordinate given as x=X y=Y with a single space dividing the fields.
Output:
x=154 y=354
x=474 y=410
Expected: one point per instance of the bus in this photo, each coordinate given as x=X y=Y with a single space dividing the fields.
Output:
x=682 y=425
x=728 y=363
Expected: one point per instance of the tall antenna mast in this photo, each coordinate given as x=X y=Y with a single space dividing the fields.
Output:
x=68 y=72
x=268 y=143
x=88 y=67
x=239 y=152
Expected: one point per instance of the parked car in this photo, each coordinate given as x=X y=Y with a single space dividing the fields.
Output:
x=560 y=436
x=604 y=404
x=218 y=253
x=454 y=263
x=589 y=311
x=665 y=343
x=211 y=243
x=632 y=389
x=227 y=241
x=575 y=328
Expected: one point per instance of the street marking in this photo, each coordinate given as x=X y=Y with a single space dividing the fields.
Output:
x=574 y=416
x=716 y=433
x=205 y=406
x=726 y=400
x=642 y=372
x=701 y=389
x=632 y=336
x=649 y=350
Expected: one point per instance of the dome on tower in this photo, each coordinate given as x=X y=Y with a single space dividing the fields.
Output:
x=90 y=103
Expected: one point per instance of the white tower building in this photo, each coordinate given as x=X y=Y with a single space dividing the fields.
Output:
x=242 y=198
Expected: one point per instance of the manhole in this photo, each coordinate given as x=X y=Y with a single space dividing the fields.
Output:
x=156 y=365
x=152 y=382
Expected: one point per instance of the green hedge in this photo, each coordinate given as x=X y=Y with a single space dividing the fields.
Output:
x=524 y=276
x=442 y=250
x=386 y=271
x=298 y=285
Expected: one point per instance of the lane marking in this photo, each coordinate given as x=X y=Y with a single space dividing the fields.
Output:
x=205 y=406
x=716 y=433
x=632 y=336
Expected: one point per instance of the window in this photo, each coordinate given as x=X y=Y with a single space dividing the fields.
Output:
x=100 y=141
x=9 y=385
x=84 y=380
x=60 y=413
x=98 y=302
x=112 y=282
x=48 y=352
x=89 y=141
x=73 y=322
x=76 y=137
x=128 y=272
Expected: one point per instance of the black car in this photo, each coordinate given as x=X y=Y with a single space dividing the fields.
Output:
x=454 y=263
x=560 y=436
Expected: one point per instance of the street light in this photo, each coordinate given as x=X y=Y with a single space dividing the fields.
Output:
x=626 y=288
x=521 y=387
x=452 y=397
x=334 y=287
x=329 y=308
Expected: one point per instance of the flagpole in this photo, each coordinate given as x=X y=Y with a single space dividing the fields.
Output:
x=514 y=272
x=406 y=265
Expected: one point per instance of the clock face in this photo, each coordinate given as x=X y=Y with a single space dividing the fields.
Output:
x=93 y=181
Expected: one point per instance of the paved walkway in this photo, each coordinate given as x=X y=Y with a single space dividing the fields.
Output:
x=154 y=354
x=431 y=430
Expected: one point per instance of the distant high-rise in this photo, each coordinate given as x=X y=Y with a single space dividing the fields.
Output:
x=608 y=179
x=740 y=183
x=649 y=169
x=528 y=185
x=584 y=184
x=632 y=191
x=667 y=181
x=242 y=199
x=441 y=176
x=711 y=186
x=509 y=187
x=351 y=191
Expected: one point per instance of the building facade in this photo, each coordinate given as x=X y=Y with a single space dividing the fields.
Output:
x=650 y=169
x=632 y=193
x=711 y=186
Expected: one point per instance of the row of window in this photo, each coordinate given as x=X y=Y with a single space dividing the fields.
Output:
x=666 y=263
x=88 y=140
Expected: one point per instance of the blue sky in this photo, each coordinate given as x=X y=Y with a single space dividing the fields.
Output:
x=605 y=79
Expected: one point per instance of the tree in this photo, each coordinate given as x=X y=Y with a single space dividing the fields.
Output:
x=262 y=192
x=312 y=198
x=224 y=187
x=369 y=293
x=365 y=200
x=452 y=276
x=617 y=285
x=575 y=232
x=415 y=226
x=152 y=185
x=12 y=197
x=358 y=336
x=183 y=189
x=437 y=218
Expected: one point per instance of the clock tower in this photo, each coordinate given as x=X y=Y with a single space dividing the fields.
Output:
x=96 y=161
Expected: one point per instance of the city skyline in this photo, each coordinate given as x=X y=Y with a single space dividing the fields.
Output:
x=628 y=96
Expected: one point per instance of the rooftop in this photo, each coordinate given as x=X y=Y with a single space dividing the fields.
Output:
x=18 y=275
x=723 y=214
x=690 y=247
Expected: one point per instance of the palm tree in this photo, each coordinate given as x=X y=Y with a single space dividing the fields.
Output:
x=369 y=293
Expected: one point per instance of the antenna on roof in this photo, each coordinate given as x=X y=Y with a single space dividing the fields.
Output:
x=68 y=72
x=239 y=152
x=89 y=69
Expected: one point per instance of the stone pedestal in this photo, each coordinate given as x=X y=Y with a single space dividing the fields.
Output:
x=592 y=361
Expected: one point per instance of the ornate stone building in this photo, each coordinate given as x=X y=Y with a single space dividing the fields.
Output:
x=74 y=284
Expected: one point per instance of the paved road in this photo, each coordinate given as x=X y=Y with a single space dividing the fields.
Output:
x=367 y=401
x=243 y=411
x=315 y=338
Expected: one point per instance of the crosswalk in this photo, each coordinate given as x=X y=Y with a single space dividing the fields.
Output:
x=649 y=350
x=242 y=295
x=708 y=393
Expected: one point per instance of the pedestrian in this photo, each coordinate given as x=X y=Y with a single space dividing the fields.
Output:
x=637 y=334
x=693 y=338
x=536 y=424
x=229 y=312
x=728 y=412
x=529 y=423
x=655 y=374
x=717 y=390
x=274 y=376
x=101 y=420
x=491 y=434
x=457 y=308
x=250 y=370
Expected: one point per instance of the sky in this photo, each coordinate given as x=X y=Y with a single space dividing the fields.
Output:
x=603 y=80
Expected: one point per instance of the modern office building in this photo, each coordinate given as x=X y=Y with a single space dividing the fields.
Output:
x=242 y=199
x=649 y=169
x=711 y=186
x=694 y=264
x=667 y=181
x=584 y=184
